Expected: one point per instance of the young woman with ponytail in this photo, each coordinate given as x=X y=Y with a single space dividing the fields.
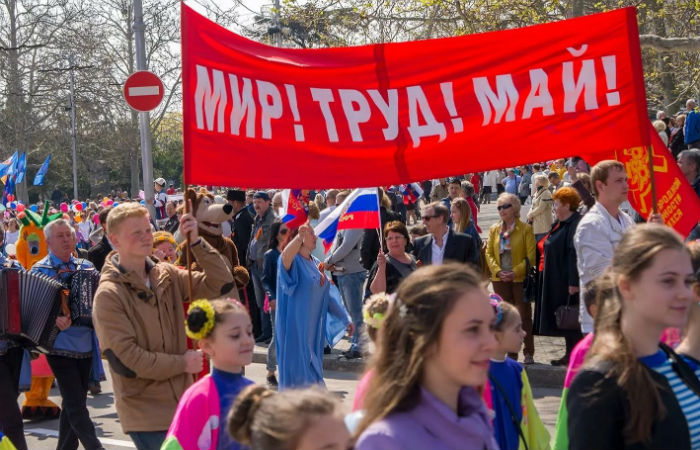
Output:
x=633 y=392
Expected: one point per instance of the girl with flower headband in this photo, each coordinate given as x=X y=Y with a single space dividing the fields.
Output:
x=225 y=334
x=508 y=393
x=373 y=312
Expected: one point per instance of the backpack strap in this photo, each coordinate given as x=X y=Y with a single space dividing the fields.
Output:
x=683 y=369
x=513 y=417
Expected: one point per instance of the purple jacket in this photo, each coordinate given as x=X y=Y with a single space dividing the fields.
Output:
x=433 y=425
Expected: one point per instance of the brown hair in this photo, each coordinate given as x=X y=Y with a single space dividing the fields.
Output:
x=465 y=214
x=600 y=172
x=265 y=420
x=569 y=196
x=412 y=327
x=384 y=199
x=635 y=253
x=314 y=212
x=509 y=312
x=124 y=211
x=396 y=226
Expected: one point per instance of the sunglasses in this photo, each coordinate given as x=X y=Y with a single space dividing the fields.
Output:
x=427 y=218
x=502 y=207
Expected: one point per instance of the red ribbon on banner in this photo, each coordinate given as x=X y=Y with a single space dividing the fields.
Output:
x=256 y=115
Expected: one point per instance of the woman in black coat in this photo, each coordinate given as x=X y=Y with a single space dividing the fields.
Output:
x=560 y=283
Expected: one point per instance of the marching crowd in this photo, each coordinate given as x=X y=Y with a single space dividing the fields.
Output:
x=567 y=257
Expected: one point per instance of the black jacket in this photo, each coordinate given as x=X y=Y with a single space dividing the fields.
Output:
x=370 y=240
x=98 y=252
x=559 y=273
x=460 y=247
x=597 y=421
x=242 y=227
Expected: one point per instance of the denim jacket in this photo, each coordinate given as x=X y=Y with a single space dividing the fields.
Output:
x=75 y=341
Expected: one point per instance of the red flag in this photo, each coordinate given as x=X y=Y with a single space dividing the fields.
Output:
x=676 y=200
x=399 y=112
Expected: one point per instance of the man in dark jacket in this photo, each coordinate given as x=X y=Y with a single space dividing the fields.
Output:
x=442 y=243
x=98 y=252
x=241 y=228
x=258 y=245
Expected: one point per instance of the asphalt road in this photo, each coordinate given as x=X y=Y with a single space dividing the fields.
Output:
x=43 y=435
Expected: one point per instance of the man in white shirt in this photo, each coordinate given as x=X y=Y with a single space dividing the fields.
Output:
x=601 y=228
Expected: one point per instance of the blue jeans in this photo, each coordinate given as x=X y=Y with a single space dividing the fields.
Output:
x=147 y=440
x=256 y=277
x=350 y=286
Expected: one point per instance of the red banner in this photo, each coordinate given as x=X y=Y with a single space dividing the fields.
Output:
x=676 y=200
x=256 y=115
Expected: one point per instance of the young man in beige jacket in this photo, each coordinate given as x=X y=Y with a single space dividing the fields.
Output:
x=139 y=319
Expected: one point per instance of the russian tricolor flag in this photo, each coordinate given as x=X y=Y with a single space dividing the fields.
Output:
x=411 y=192
x=295 y=210
x=359 y=210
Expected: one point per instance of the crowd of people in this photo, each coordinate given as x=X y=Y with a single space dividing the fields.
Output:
x=439 y=310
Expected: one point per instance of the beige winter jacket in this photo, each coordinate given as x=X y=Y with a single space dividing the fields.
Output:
x=541 y=213
x=142 y=333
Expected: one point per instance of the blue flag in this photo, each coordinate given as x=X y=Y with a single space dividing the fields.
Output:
x=8 y=166
x=39 y=178
x=21 y=167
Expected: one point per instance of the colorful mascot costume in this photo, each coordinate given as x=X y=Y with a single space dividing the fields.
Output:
x=31 y=247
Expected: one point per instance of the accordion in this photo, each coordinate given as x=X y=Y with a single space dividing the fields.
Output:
x=83 y=285
x=29 y=305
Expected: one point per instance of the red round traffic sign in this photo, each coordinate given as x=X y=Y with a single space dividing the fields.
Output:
x=143 y=90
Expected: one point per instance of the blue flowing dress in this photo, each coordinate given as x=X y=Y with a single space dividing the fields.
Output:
x=309 y=314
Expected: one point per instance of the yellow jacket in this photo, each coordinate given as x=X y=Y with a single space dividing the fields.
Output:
x=522 y=243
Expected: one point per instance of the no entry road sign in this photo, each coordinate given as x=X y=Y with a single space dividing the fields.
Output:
x=143 y=90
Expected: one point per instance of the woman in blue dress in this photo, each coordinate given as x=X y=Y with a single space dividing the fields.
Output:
x=309 y=313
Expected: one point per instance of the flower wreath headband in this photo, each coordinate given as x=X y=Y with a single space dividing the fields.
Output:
x=496 y=301
x=377 y=319
x=208 y=309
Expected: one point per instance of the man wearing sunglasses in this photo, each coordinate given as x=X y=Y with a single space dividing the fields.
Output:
x=442 y=243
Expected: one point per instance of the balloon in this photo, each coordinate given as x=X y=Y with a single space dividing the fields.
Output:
x=13 y=205
x=8 y=205
x=110 y=202
x=11 y=249
x=96 y=219
x=85 y=205
x=2 y=208
x=115 y=204
x=78 y=218
x=20 y=207
x=78 y=207
x=105 y=200
x=64 y=207
x=34 y=208
x=143 y=202
x=10 y=197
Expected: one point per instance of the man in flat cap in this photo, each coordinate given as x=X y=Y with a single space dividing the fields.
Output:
x=258 y=245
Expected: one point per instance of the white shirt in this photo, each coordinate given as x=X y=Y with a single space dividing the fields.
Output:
x=437 y=251
x=596 y=237
x=325 y=213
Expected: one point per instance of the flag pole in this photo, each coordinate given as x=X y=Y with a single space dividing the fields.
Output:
x=651 y=178
x=188 y=254
x=379 y=220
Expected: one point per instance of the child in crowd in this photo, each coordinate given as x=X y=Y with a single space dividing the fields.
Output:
x=432 y=360
x=225 y=334
x=262 y=419
x=373 y=312
x=578 y=354
x=508 y=394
